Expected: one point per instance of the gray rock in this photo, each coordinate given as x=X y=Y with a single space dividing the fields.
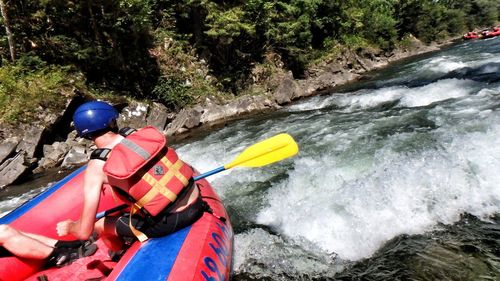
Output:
x=186 y=119
x=138 y=114
x=250 y=104
x=7 y=147
x=76 y=156
x=287 y=91
x=214 y=113
x=134 y=115
x=53 y=155
x=12 y=169
x=31 y=140
x=159 y=116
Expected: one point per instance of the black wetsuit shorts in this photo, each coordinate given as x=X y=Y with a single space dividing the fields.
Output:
x=162 y=224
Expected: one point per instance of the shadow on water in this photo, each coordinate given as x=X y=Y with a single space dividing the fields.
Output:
x=32 y=182
x=486 y=73
x=467 y=250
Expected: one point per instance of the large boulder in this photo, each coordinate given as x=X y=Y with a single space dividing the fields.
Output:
x=325 y=81
x=159 y=116
x=134 y=115
x=53 y=155
x=186 y=119
x=250 y=104
x=12 y=169
x=32 y=140
x=288 y=90
x=215 y=114
x=75 y=157
x=139 y=114
x=18 y=161
x=7 y=148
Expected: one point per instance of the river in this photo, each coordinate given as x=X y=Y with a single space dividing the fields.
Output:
x=397 y=177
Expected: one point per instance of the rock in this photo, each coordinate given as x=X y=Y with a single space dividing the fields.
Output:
x=134 y=115
x=214 y=113
x=76 y=156
x=53 y=155
x=250 y=104
x=326 y=81
x=287 y=91
x=12 y=169
x=159 y=116
x=31 y=140
x=138 y=114
x=7 y=147
x=186 y=119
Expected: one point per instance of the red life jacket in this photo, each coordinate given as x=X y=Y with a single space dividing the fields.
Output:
x=147 y=170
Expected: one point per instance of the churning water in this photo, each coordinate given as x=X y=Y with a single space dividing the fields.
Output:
x=397 y=177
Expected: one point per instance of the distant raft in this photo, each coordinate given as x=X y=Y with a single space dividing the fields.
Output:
x=202 y=251
x=486 y=33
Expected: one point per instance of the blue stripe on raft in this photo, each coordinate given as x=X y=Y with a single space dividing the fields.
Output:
x=21 y=210
x=155 y=259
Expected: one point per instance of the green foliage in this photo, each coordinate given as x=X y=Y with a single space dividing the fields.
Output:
x=354 y=42
x=29 y=87
x=172 y=92
x=150 y=48
x=107 y=40
x=178 y=63
x=380 y=23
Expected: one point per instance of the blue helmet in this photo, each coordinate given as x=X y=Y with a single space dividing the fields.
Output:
x=94 y=116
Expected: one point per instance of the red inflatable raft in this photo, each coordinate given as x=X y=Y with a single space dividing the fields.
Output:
x=202 y=251
x=470 y=35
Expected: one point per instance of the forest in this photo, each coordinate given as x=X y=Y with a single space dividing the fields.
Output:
x=174 y=52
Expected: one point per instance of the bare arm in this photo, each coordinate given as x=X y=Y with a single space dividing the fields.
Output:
x=92 y=184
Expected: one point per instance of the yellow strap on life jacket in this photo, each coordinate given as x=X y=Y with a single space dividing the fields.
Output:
x=175 y=169
x=160 y=186
x=157 y=187
x=140 y=236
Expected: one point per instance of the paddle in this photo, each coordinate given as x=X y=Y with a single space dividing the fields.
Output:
x=263 y=153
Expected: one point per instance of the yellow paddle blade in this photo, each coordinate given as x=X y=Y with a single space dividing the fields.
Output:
x=266 y=152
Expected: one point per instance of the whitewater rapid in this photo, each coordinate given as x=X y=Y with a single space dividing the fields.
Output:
x=404 y=153
x=374 y=164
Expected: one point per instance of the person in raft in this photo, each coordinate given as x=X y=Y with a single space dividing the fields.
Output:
x=140 y=168
x=33 y=246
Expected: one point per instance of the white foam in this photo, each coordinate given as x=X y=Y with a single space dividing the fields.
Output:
x=438 y=91
x=444 y=64
x=283 y=258
x=11 y=203
x=352 y=210
x=403 y=96
x=370 y=99
x=312 y=103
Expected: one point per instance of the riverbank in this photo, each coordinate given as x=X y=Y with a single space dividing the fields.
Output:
x=33 y=148
x=323 y=78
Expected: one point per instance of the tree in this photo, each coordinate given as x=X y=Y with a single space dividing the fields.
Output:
x=8 y=30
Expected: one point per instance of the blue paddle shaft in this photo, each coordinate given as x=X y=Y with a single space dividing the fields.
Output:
x=110 y=211
x=209 y=173
x=121 y=207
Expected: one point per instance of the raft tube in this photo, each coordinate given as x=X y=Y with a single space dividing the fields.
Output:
x=202 y=251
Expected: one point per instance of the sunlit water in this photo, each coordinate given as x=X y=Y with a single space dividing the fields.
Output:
x=397 y=177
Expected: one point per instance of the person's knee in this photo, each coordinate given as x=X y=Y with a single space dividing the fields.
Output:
x=6 y=232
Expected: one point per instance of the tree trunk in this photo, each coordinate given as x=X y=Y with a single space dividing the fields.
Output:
x=8 y=30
